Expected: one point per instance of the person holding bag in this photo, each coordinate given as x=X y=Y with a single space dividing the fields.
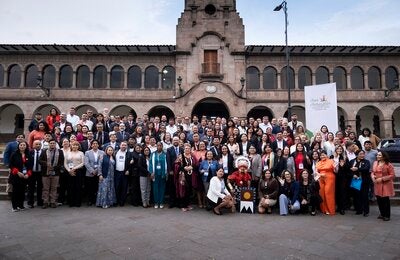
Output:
x=382 y=176
x=359 y=168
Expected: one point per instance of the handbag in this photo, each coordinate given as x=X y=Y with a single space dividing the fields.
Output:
x=356 y=183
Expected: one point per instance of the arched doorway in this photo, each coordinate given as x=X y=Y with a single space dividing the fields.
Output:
x=369 y=117
x=45 y=110
x=211 y=107
x=79 y=110
x=123 y=111
x=260 y=112
x=299 y=111
x=396 y=122
x=160 y=111
x=11 y=122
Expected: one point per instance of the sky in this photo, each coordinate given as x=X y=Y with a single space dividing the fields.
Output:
x=130 y=22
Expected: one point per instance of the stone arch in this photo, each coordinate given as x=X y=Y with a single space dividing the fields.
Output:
x=259 y=112
x=45 y=110
x=396 y=122
x=300 y=111
x=211 y=107
x=81 y=109
x=123 y=110
x=11 y=121
x=161 y=110
x=369 y=116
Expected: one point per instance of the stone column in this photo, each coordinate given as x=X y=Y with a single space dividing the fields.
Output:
x=278 y=80
x=108 y=80
x=386 y=128
x=296 y=80
x=125 y=85
x=160 y=79
x=57 y=79
x=73 y=79
x=22 y=84
x=366 y=85
x=261 y=81
x=143 y=76
x=383 y=81
x=313 y=79
x=348 y=81
x=90 y=79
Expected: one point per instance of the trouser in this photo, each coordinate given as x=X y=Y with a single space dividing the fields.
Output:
x=171 y=191
x=341 y=192
x=91 y=186
x=18 y=194
x=284 y=205
x=159 y=190
x=327 y=193
x=145 y=189
x=121 y=187
x=63 y=187
x=50 y=184
x=313 y=203
x=75 y=189
x=384 y=206
x=35 y=184
x=135 y=191
x=361 y=200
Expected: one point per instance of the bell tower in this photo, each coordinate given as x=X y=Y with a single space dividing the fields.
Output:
x=210 y=48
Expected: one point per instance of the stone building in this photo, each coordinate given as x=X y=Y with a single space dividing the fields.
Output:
x=209 y=71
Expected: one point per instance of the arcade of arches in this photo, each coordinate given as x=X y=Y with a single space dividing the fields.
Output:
x=15 y=118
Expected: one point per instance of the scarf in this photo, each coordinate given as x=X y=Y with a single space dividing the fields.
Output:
x=51 y=162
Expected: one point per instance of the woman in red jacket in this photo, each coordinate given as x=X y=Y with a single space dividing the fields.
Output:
x=383 y=175
x=52 y=118
x=21 y=169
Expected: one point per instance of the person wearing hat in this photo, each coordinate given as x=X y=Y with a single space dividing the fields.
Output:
x=240 y=178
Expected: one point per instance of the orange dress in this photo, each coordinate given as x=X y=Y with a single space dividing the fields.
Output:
x=327 y=185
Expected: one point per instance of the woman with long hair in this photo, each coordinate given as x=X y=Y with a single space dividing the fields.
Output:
x=326 y=175
x=106 y=193
x=74 y=162
x=342 y=178
x=309 y=193
x=52 y=118
x=20 y=165
x=382 y=176
x=268 y=191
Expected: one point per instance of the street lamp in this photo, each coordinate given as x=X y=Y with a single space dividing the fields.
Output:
x=40 y=85
x=283 y=6
x=396 y=86
x=179 y=79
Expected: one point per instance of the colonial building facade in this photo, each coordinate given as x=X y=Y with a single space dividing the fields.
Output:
x=210 y=71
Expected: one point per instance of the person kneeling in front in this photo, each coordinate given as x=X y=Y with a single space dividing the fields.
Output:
x=218 y=195
x=289 y=198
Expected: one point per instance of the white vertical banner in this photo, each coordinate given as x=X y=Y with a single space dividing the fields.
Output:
x=321 y=107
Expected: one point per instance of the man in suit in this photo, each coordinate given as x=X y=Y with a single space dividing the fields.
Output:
x=172 y=154
x=216 y=148
x=35 y=181
x=86 y=144
x=244 y=145
x=92 y=159
x=101 y=136
x=12 y=147
x=130 y=124
x=279 y=142
x=122 y=135
x=113 y=142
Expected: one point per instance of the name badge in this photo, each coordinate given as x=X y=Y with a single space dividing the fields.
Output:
x=225 y=170
x=301 y=166
x=70 y=165
x=96 y=165
x=24 y=171
x=265 y=167
x=158 y=167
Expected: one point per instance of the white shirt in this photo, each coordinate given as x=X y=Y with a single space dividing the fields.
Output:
x=265 y=126
x=73 y=119
x=120 y=161
x=171 y=129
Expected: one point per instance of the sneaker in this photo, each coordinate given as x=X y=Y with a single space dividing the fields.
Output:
x=53 y=205
x=59 y=204
x=106 y=207
x=14 y=210
x=161 y=206
x=156 y=206
x=21 y=208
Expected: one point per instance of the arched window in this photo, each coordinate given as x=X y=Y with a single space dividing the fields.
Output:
x=252 y=78
x=374 y=78
x=357 y=78
x=100 y=77
x=339 y=76
x=322 y=75
x=151 y=77
x=269 y=75
x=168 y=77
x=305 y=78
x=135 y=77
x=291 y=78
x=49 y=76
x=1 y=75
x=117 y=77
x=391 y=75
x=66 y=74
x=31 y=75
x=14 y=76
x=83 y=77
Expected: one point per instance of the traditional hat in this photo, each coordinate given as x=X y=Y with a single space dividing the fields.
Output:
x=242 y=161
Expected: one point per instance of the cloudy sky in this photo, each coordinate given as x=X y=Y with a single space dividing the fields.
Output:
x=311 y=22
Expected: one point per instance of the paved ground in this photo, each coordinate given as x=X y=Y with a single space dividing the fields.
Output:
x=137 y=233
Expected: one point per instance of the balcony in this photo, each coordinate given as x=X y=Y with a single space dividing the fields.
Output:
x=210 y=70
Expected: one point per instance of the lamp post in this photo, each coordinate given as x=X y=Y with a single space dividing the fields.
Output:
x=40 y=85
x=179 y=79
x=396 y=86
x=242 y=81
x=278 y=8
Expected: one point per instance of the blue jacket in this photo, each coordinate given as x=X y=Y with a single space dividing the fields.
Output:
x=210 y=170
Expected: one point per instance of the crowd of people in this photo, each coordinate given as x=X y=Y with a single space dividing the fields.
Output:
x=108 y=160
